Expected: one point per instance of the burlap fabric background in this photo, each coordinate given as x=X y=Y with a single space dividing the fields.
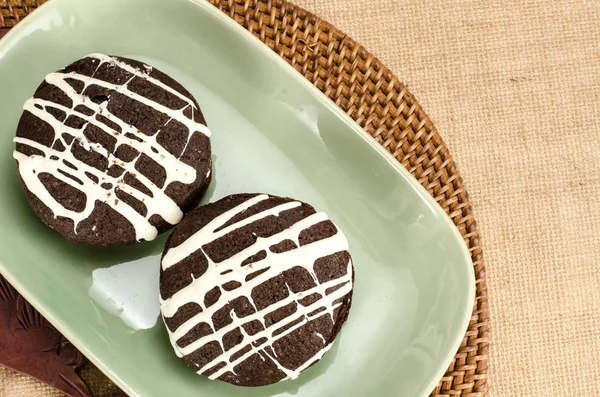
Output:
x=514 y=89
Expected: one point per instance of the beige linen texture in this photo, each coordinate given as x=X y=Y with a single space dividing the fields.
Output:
x=514 y=89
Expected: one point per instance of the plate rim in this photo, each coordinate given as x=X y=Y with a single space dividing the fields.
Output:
x=290 y=72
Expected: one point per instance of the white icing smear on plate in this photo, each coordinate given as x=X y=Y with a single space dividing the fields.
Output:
x=130 y=291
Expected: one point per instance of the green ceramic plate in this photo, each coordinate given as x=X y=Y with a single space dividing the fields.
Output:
x=272 y=132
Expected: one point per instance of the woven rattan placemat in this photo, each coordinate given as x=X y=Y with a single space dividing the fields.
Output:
x=369 y=92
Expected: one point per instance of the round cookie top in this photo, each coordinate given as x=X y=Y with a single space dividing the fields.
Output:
x=112 y=151
x=255 y=288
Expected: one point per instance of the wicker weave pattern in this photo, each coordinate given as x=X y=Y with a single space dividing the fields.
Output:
x=367 y=91
x=12 y=11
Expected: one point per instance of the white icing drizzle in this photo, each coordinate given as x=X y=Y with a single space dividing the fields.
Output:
x=320 y=336
x=53 y=161
x=273 y=264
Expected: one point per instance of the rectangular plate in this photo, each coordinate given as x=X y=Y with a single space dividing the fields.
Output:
x=272 y=132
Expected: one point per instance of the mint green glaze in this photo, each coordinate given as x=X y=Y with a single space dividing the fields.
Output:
x=272 y=132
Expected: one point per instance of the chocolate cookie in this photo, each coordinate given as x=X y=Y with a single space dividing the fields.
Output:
x=255 y=288
x=112 y=151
